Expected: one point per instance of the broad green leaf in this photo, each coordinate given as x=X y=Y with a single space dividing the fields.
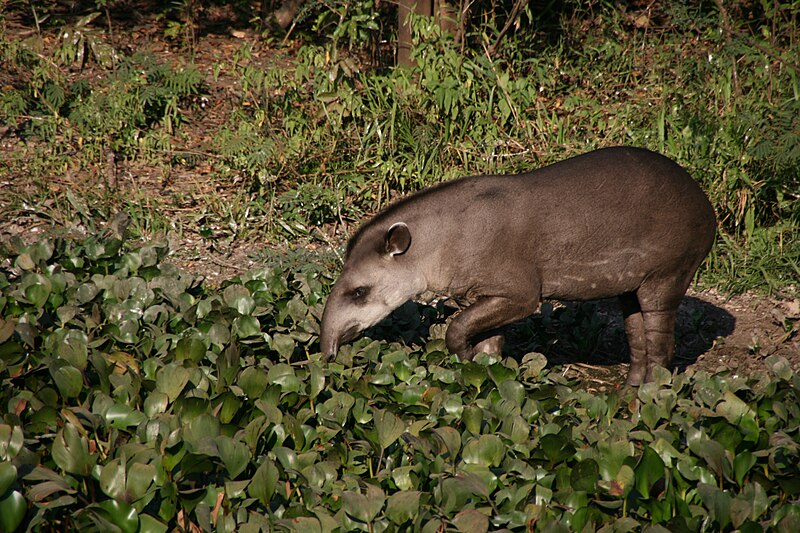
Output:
x=8 y=475
x=717 y=502
x=140 y=478
x=472 y=416
x=11 y=441
x=501 y=373
x=246 y=326
x=253 y=381
x=71 y=452
x=486 y=450
x=113 y=479
x=283 y=375
x=734 y=409
x=453 y=492
x=230 y=407
x=532 y=365
x=611 y=455
x=68 y=379
x=742 y=464
x=584 y=475
x=121 y=416
x=235 y=455
x=740 y=511
x=711 y=451
x=37 y=293
x=649 y=470
x=556 y=448
x=283 y=344
x=6 y=326
x=512 y=391
x=403 y=506
x=203 y=426
x=264 y=481
x=389 y=427
x=450 y=438
x=24 y=262
x=471 y=521
x=121 y=515
x=316 y=379
x=779 y=366
x=148 y=524
x=12 y=511
x=473 y=374
x=190 y=348
x=363 y=507
x=301 y=524
x=156 y=403
x=623 y=483
x=73 y=347
x=238 y=297
x=219 y=334
x=171 y=379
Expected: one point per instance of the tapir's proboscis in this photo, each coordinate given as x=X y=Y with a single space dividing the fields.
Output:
x=619 y=221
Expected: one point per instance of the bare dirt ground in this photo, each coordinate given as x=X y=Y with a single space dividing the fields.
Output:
x=714 y=331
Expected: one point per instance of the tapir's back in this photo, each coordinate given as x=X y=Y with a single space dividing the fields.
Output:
x=591 y=226
x=611 y=218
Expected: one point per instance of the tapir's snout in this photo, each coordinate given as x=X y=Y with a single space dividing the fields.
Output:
x=332 y=336
x=329 y=346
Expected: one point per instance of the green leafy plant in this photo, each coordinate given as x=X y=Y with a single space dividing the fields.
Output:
x=137 y=399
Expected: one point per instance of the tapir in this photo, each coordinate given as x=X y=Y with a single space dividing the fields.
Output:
x=616 y=222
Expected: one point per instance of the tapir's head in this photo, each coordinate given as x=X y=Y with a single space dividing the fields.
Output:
x=380 y=274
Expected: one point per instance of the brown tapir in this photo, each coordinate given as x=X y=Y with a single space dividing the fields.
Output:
x=619 y=221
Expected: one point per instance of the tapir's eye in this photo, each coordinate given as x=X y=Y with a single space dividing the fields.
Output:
x=359 y=293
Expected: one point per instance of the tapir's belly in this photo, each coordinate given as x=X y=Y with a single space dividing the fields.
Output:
x=601 y=276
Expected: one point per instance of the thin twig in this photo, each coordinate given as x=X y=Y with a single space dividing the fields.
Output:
x=512 y=17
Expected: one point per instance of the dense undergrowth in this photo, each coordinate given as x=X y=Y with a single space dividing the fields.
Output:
x=331 y=133
x=134 y=399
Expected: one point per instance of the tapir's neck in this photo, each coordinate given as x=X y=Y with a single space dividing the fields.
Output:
x=437 y=276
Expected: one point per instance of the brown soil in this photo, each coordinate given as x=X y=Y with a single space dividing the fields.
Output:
x=714 y=331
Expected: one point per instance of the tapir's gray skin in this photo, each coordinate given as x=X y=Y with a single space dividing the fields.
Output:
x=614 y=222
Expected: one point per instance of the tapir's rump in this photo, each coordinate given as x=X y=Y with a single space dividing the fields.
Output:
x=621 y=221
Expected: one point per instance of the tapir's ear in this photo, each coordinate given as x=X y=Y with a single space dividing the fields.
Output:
x=398 y=239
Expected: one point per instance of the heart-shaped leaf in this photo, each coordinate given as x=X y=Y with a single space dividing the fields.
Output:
x=486 y=450
x=363 y=507
x=403 y=506
x=389 y=427
x=71 y=452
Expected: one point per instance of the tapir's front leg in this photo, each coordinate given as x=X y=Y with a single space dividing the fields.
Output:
x=488 y=312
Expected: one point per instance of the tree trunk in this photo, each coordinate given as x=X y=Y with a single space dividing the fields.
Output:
x=444 y=12
x=404 y=8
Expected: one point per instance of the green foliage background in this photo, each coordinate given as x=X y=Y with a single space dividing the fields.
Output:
x=134 y=400
x=324 y=132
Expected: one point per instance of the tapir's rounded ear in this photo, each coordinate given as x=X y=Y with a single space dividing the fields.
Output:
x=398 y=239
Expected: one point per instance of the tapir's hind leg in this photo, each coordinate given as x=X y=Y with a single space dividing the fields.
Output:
x=659 y=327
x=659 y=300
x=634 y=330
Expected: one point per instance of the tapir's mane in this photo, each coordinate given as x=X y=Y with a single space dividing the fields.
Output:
x=395 y=208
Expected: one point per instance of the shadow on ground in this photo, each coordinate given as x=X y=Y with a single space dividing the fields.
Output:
x=586 y=337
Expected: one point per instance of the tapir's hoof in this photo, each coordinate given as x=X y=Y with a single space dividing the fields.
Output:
x=634 y=379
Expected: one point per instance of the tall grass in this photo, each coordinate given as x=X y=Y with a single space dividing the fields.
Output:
x=333 y=135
